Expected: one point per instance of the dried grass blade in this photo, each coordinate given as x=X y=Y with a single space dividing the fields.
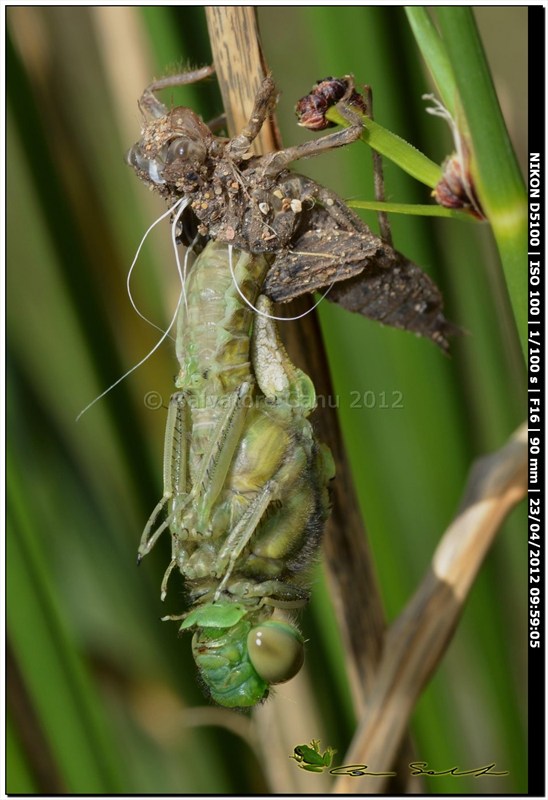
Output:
x=417 y=640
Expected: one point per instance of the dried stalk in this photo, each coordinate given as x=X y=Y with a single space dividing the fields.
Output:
x=240 y=67
x=349 y=562
x=417 y=640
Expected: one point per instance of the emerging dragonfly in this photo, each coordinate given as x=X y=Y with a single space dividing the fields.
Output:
x=245 y=481
x=257 y=205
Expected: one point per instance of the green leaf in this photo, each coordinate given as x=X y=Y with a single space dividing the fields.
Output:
x=499 y=184
x=435 y=55
x=412 y=209
x=395 y=148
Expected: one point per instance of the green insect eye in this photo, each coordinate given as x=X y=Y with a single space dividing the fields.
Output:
x=276 y=651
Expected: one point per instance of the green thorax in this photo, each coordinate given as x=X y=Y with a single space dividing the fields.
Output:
x=214 y=325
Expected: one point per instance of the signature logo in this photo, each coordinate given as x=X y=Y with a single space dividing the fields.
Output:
x=310 y=758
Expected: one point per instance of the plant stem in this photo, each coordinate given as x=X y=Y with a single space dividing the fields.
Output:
x=494 y=167
x=393 y=147
x=434 y=53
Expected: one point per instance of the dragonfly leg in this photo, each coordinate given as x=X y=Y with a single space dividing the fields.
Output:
x=279 y=379
x=217 y=123
x=173 y=617
x=167 y=573
x=274 y=163
x=148 y=541
x=273 y=593
x=149 y=103
x=241 y=534
x=265 y=102
x=175 y=458
x=216 y=461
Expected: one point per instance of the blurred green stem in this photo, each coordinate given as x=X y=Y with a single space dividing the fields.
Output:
x=494 y=168
x=434 y=53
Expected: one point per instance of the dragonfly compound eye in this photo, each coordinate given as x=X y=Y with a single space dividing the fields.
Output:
x=276 y=651
x=183 y=148
x=138 y=161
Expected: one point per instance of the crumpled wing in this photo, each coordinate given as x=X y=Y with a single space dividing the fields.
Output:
x=370 y=277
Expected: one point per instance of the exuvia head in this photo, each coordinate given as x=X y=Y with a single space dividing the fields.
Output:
x=178 y=142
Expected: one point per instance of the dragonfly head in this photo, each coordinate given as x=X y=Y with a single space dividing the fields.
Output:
x=170 y=147
x=240 y=661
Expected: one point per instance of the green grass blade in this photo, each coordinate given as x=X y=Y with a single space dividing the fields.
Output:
x=494 y=167
x=434 y=53
x=412 y=210
x=64 y=698
x=395 y=148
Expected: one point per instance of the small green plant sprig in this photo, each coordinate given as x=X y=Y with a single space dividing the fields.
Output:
x=455 y=58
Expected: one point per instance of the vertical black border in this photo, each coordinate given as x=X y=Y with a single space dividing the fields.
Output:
x=536 y=401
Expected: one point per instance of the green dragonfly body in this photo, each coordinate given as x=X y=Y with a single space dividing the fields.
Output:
x=245 y=481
